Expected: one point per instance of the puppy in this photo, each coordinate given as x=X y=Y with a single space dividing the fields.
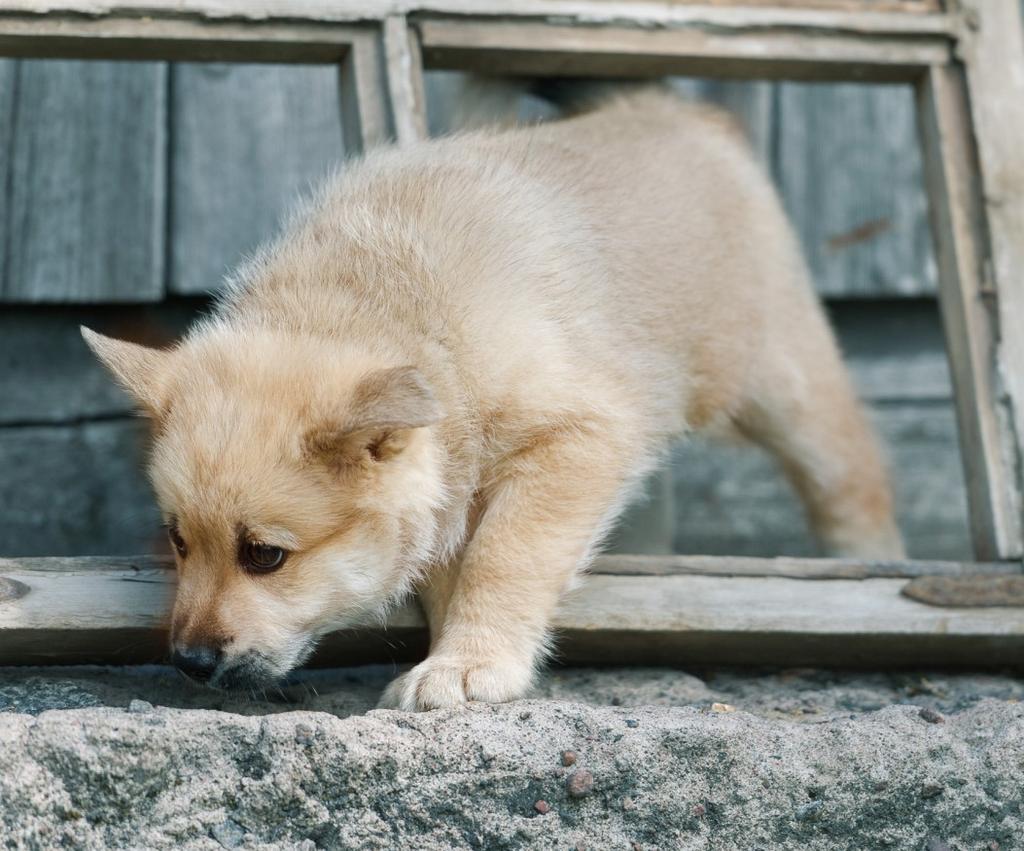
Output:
x=451 y=371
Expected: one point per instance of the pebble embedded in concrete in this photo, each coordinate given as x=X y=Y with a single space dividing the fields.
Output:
x=228 y=833
x=810 y=811
x=580 y=783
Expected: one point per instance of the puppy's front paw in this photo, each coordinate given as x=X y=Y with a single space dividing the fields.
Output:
x=443 y=682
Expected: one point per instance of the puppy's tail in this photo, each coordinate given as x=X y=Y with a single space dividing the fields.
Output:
x=577 y=95
x=486 y=101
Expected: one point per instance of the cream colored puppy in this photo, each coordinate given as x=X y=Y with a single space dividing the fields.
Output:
x=452 y=370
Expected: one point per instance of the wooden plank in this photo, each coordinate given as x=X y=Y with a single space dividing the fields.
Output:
x=815 y=569
x=847 y=163
x=987 y=444
x=699 y=40
x=992 y=48
x=762 y=52
x=86 y=189
x=175 y=39
x=116 y=610
x=919 y=6
x=405 y=80
x=340 y=10
x=365 y=110
x=247 y=142
x=859 y=16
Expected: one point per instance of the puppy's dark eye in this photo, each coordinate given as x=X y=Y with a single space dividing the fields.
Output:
x=257 y=557
x=177 y=541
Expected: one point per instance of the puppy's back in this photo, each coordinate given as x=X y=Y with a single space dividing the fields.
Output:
x=632 y=247
x=682 y=255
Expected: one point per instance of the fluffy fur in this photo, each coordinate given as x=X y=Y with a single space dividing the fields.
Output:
x=452 y=369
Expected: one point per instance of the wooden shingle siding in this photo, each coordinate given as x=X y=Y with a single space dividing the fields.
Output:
x=76 y=488
x=847 y=162
x=753 y=103
x=85 y=166
x=734 y=500
x=73 y=483
x=8 y=69
x=248 y=141
x=894 y=349
x=49 y=376
x=71 y=447
x=79 y=488
x=229 y=150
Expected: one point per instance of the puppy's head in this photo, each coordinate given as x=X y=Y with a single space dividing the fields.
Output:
x=300 y=490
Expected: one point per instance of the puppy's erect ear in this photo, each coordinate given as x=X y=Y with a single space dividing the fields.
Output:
x=386 y=407
x=138 y=369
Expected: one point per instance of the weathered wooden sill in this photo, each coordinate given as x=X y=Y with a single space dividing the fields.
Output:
x=676 y=610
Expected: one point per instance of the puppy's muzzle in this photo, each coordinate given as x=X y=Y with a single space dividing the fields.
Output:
x=198 y=662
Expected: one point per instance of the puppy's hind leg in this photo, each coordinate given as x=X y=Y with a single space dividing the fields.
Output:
x=803 y=408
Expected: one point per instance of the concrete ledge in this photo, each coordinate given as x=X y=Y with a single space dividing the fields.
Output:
x=657 y=777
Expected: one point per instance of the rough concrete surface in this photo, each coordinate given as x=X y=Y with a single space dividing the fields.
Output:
x=97 y=758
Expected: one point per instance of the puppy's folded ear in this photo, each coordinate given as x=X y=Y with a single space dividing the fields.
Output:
x=138 y=369
x=386 y=407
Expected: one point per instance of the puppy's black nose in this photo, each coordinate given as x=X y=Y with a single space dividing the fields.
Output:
x=197 y=663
